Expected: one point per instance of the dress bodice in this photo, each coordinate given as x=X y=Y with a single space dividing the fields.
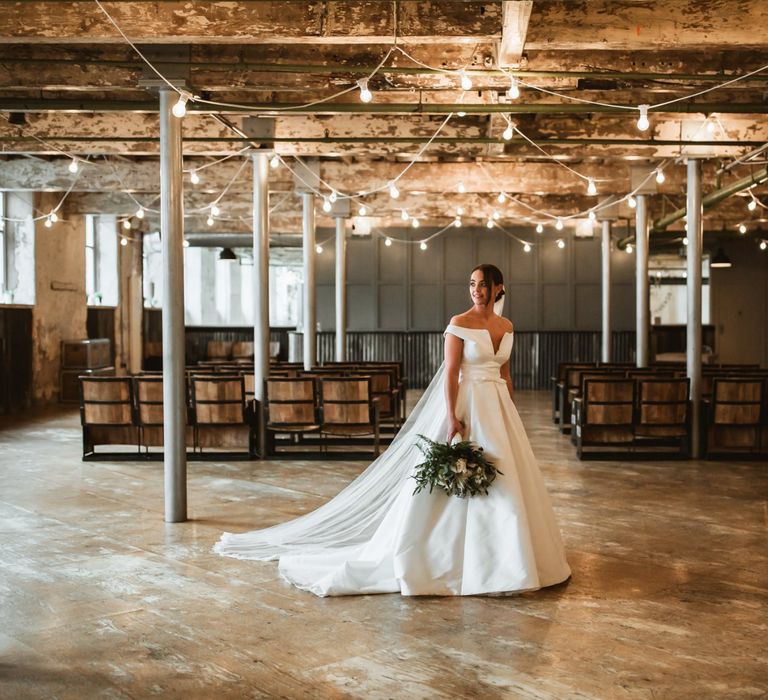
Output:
x=478 y=360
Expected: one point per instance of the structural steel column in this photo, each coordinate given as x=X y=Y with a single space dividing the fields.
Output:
x=260 y=284
x=172 y=232
x=310 y=291
x=341 y=289
x=642 y=289
x=693 y=262
x=606 y=288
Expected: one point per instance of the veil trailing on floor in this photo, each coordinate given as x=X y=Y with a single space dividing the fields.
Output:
x=351 y=517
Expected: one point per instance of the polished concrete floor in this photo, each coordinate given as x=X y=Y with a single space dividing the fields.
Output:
x=101 y=599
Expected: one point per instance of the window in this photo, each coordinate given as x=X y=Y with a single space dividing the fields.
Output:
x=17 y=248
x=3 y=272
x=101 y=271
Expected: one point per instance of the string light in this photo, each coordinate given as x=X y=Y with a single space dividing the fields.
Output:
x=457 y=222
x=752 y=204
x=215 y=211
x=326 y=205
x=642 y=120
x=489 y=223
x=560 y=243
x=209 y=221
x=54 y=216
x=393 y=191
x=459 y=211
x=140 y=213
x=123 y=241
x=48 y=221
x=126 y=223
x=423 y=245
x=333 y=196
x=415 y=222
x=631 y=201
x=365 y=94
x=591 y=187
x=592 y=215
x=318 y=249
x=404 y=215
x=501 y=198
x=461 y=188
x=194 y=178
x=527 y=247
x=742 y=228
x=362 y=211
x=274 y=162
x=185 y=243
x=629 y=249
x=509 y=132
x=559 y=224
x=73 y=166
x=514 y=89
x=466 y=81
x=539 y=228
x=461 y=114
x=763 y=245
x=660 y=176
x=180 y=108
x=496 y=215
x=387 y=242
x=685 y=240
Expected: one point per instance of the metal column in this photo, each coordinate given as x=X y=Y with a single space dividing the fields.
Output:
x=310 y=291
x=642 y=288
x=341 y=289
x=693 y=262
x=172 y=232
x=260 y=283
x=606 y=289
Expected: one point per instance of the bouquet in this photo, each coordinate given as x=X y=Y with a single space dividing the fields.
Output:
x=460 y=469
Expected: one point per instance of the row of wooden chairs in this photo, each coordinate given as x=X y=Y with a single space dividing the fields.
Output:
x=129 y=411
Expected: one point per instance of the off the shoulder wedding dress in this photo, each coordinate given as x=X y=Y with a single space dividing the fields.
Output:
x=377 y=537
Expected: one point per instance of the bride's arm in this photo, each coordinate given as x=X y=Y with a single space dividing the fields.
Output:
x=507 y=377
x=453 y=349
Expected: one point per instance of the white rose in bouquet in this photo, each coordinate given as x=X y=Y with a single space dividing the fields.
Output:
x=460 y=466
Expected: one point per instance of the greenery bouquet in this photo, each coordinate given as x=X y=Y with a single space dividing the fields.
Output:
x=460 y=469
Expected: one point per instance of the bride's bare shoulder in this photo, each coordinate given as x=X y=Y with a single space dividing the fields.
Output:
x=508 y=326
x=459 y=320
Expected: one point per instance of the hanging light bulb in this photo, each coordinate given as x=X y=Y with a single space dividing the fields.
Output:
x=54 y=216
x=642 y=120
x=591 y=187
x=752 y=205
x=215 y=211
x=318 y=249
x=123 y=241
x=415 y=222
x=140 y=213
x=592 y=215
x=387 y=242
x=48 y=221
x=501 y=198
x=180 y=108
x=73 y=166
x=274 y=162
x=209 y=221
x=527 y=247
x=194 y=178
x=466 y=81
x=393 y=191
x=496 y=215
x=461 y=188
x=404 y=215
x=742 y=228
x=459 y=211
x=763 y=245
x=365 y=94
x=489 y=223
x=333 y=196
x=185 y=243
x=461 y=114
x=514 y=89
x=631 y=201
x=126 y=224
x=509 y=132
x=685 y=240
x=457 y=222
x=629 y=249
x=362 y=211
x=660 y=175
x=559 y=224
x=711 y=125
x=423 y=245
x=539 y=228
x=326 y=205
x=560 y=243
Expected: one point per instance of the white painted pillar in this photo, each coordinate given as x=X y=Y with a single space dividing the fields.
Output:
x=172 y=231
x=260 y=272
x=341 y=289
x=694 y=251
x=310 y=292
x=642 y=288
x=606 y=291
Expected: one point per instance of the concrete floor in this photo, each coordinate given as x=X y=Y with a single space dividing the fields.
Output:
x=101 y=599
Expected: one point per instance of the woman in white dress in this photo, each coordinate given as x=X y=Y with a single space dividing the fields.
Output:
x=376 y=536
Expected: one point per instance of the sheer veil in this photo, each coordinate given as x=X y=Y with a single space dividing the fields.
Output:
x=351 y=517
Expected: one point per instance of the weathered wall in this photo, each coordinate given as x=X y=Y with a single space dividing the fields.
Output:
x=740 y=304
x=128 y=330
x=60 y=309
x=401 y=287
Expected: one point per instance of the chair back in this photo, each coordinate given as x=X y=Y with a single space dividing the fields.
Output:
x=218 y=399
x=242 y=350
x=609 y=401
x=663 y=402
x=346 y=400
x=106 y=401
x=218 y=349
x=149 y=399
x=291 y=401
x=737 y=401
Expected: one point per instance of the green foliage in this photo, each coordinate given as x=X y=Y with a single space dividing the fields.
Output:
x=460 y=469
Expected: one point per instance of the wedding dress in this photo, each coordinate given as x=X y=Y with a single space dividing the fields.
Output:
x=376 y=536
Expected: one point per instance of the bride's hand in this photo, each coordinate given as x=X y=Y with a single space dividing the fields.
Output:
x=455 y=426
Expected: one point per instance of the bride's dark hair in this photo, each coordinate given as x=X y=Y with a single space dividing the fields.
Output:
x=491 y=275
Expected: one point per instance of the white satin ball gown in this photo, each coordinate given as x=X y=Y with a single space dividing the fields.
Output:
x=376 y=536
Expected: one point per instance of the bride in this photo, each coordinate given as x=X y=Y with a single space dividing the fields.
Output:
x=376 y=536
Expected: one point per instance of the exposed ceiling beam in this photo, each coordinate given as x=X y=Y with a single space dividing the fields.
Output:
x=514 y=27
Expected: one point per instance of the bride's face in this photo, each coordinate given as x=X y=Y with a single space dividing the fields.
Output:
x=482 y=292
